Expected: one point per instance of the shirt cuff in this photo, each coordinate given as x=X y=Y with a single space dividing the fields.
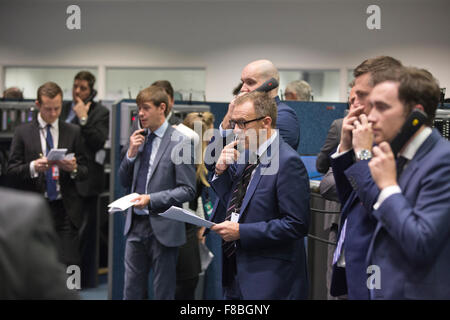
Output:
x=386 y=193
x=130 y=159
x=337 y=154
x=224 y=132
x=33 y=172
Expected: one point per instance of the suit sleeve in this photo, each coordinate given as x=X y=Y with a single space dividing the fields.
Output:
x=18 y=168
x=292 y=189
x=185 y=189
x=80 y=154
x=331 y=142
x=288 y=126
x=96 y=130
x=420 y=228
x=339 y=165
x=360 y=178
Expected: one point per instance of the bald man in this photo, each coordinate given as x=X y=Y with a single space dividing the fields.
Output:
x=253 y=76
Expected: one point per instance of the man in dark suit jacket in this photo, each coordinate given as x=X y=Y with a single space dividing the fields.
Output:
x=93 y=121
x=267 y=205
x=29 y=266
x=149 y=169
x=30 y=170
x=356 y=225
x=410 y=247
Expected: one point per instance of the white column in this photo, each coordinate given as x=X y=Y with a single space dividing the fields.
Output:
x=101 y=82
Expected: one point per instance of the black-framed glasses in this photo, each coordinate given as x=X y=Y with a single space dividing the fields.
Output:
x=242 y=124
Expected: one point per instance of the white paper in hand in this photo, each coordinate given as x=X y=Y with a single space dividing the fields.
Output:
x=56 y=154
x=123 y=203
x=178 y=214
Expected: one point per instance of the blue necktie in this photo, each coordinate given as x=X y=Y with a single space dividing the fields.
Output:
x=144 y=165
x=52 y=194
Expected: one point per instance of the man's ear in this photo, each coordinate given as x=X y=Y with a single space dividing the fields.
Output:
x=267 y=122
x=163 y=107
x=419 y=106
x=38 y=105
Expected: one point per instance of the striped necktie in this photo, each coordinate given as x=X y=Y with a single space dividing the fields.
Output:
x=235 y=204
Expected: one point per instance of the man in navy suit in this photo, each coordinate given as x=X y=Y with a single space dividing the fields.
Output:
x=411 y=243
x=349 y=162
x=149 y=170
x=266 y=192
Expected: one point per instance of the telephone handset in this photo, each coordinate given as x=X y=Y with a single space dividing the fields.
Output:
x=91 y=96
x=413 y=123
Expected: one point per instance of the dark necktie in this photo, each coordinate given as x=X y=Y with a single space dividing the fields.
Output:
x=237 y=198
x=401 y=161
x=52 y=193
x=144 y=165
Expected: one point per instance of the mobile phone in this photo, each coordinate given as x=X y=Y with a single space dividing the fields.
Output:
x=144 y=133
x=413 y=123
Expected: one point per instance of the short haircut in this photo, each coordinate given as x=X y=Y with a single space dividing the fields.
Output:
x=13 y=93
x=374 y=65
x=415 y=86
x=87 y=76
x=264 y=105
x=301 y=88
x=50 y=90
x=165 y=85
x=154 y=94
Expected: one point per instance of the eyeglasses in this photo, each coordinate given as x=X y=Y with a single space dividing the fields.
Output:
x=242 y=124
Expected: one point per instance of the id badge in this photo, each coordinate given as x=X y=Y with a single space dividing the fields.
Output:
x=234 y=217
x=55 y=173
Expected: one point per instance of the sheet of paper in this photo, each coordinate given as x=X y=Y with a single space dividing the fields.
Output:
x=183 y=215
x=69 y=156
x=123 y=203
x=56 y=154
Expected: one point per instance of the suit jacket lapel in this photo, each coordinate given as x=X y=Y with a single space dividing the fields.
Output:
x=36 y=138
x=265 y=163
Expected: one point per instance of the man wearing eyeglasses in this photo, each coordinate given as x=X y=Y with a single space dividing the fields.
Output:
x=266 y=192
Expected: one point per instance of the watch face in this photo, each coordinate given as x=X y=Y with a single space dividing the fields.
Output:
x=364 y=155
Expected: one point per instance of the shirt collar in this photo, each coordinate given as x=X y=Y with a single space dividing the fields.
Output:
x=263 y=147
x=43 y=124
x=161 y=130
x=412 y=147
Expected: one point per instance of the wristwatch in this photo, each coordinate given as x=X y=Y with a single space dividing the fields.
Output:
x=83 y=121
x=364 y=154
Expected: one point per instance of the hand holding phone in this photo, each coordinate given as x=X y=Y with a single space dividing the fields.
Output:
x=412 y=124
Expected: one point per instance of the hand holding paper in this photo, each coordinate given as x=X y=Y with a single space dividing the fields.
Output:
x=183 y=215
x=123 y=203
